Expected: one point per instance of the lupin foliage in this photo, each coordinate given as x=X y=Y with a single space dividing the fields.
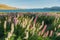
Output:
x=28 y=27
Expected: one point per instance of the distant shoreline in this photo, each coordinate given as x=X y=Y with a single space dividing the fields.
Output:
x=28 y=10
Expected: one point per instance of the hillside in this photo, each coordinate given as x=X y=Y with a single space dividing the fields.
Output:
x=6 y=7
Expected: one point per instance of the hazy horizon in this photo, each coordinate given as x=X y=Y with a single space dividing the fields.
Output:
x=31 y=3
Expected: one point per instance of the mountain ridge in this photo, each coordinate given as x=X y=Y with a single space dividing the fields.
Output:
x=6 y=7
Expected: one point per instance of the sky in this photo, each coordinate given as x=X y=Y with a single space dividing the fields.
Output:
x=31 y=3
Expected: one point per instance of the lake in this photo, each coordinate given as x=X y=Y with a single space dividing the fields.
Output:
x=30 y=10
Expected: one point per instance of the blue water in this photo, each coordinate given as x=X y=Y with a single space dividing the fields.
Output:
x=30 y=10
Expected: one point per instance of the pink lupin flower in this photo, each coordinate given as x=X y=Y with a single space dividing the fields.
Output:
x=35 y=19
x=43 y=29
x=51 y=33
x=46 y=34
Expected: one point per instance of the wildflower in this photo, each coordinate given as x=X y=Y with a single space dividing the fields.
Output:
x=58 y=26
x=9 y=35
x=33 y=30
x=35 y=19
x=41 y=25
x=28 y=26
x=9 y=19
x=57 y=19
x=18 y=15
x=43 y=29
x=11 y=32
x=58 y=34
x=33 y=27
x=51 y=33
x=24 y=23
x=26 y=37
x=12 y=28
x=15 y=20
x=5 y=25
x=55 y=29
x=46 y=34
x=39 y=33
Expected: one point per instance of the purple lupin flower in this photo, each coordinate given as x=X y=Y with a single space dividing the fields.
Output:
x=15 y=20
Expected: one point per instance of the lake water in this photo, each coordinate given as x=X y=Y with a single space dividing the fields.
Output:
x=30 y=10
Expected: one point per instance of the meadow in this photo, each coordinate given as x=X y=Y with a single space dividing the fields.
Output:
x=29 y=26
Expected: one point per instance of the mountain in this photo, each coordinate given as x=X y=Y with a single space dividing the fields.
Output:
x=6 y=7
x=55 y=8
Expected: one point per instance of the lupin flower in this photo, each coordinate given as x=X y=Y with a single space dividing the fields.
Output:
x=24 y=23
x=41 y=26
x=58 y=34
x=27 y=35
x=34 y=28
x=51 y=33
x=35 y=19
x=58 y=26
x=11 y=32
x=18 y=15
x=39 y=33
x=43 y=29
x=9 y=35
x=30 y=27
x=29 y=23
x=46 y=34
x=15 y=20
x=9 y=19
x=26 y=31
x=55 y=28
x=57 y=19
x=5 y=25
x=12 y=28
